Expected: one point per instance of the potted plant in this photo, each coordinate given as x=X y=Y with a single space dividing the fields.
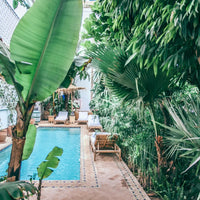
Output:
x=51 y=116
x=3 y=135
x=76 y=107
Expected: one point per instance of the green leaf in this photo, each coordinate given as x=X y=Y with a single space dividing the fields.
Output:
x=66 y=82
x=46 y=37
x=44 y=171
x=51 y=161
x=15 y=4
x=155 y=68
x=16 y=190
x=194 y=162
x=130 y=58
x=30 y=141
x=8 y=68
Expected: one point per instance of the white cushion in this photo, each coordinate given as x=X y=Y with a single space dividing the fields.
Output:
x=62 y=115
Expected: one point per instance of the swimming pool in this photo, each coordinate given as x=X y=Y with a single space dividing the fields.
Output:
x=4 y=160
x=46 y=139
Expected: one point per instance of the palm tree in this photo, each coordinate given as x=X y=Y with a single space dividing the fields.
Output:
x=42 y=49
x=130 y=82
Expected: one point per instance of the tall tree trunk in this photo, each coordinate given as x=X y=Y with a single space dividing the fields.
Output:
x=16 y=159
x=19 y=136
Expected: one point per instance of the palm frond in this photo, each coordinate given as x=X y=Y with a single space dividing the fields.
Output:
x=184 y=137
x=126 y=79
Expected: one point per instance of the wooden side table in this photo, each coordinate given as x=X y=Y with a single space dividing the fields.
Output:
x=72 y=119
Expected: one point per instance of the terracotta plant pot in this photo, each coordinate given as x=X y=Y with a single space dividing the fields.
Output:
x=51 y=118
x=76 y=115
x=3 y=135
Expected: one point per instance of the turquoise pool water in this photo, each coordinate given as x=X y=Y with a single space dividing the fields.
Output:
x=4 y=160
x=46 y=139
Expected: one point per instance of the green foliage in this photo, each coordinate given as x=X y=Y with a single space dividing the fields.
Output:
x=78 y=68
x=157 y=53
x=137 y=141
x=184 y=138
x=159 y=33
x=24 y=3
x=30 y=141
x=136 y=133
x=51 y=161
x=45 y=169
x=171 y=184
x=36 y=48
x=38 y=63
x=8 y=68
x=126 y=79
x=2 y=178
x=16 y=190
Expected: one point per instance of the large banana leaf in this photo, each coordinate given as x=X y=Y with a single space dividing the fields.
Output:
x=7 y=67
x=30 y=141
x=16 y=190
x=46 y=37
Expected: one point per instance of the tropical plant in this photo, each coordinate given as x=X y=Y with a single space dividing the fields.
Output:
x=45 y=169
x=184 y=139
x=159 y=33
x=168 y=36
x=42 y=50
x=8 y=98
x=78 y=68
x=130 y=82
x=137 y=143
x=135 y=134
x=157 y=36
x=16 y=190
x=25 y=3
x=30 y=142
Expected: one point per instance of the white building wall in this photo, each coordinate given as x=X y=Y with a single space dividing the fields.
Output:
x=3 y=118
x=9 y=19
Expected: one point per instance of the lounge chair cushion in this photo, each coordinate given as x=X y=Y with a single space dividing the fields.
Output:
x=62 y=115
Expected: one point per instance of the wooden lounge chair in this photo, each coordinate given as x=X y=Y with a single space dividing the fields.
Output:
x=62 y=117
x=93 y=123
x=103 y=142
x=83 y=117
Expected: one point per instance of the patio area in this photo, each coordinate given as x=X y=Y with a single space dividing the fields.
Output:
x=106 y=178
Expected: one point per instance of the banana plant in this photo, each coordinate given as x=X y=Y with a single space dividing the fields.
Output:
x=46 y=167
x=42 y=49
x=16 y=190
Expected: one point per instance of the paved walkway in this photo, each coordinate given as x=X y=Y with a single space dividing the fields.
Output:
x=105 y=179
